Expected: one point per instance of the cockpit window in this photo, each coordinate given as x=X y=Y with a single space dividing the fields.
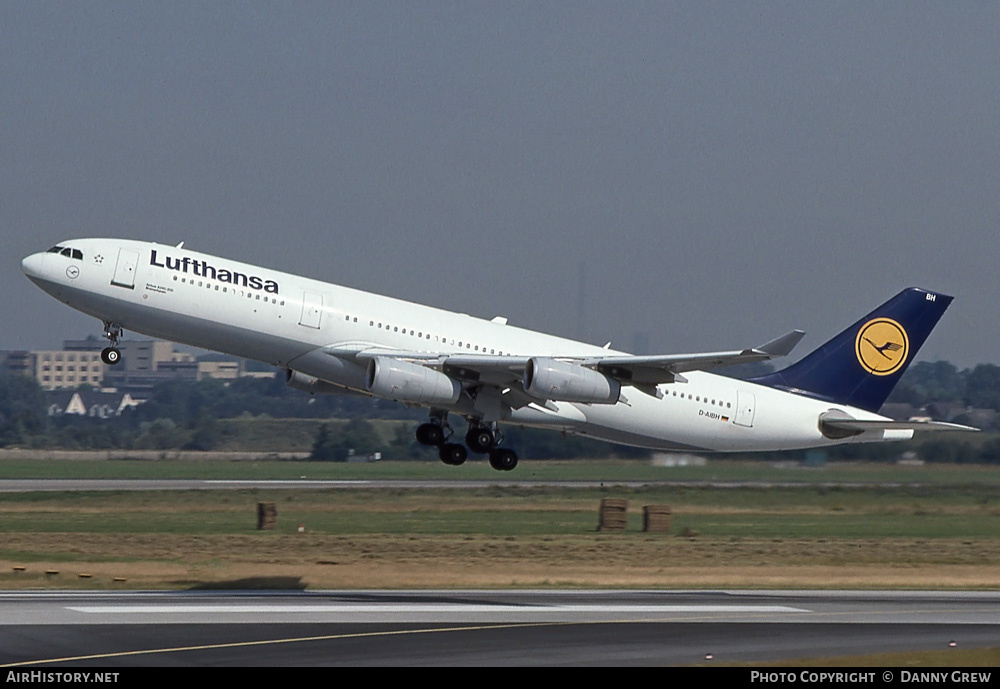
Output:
x=66 y=251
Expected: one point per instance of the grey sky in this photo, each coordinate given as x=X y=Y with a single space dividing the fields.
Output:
x=724 y=171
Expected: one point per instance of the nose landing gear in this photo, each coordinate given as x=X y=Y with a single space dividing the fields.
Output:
x=111 y=355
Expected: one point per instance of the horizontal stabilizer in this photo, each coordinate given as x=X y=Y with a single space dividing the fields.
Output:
x=877 y=425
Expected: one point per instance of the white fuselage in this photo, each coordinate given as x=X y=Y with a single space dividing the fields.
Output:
x=290 y=322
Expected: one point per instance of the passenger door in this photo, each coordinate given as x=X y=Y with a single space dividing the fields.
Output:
x=125 y=269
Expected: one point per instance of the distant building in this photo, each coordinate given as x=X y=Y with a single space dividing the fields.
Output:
x=147 y=363
x=67 y=369
x=224 y=370
x=144 y=364
x=18 y=362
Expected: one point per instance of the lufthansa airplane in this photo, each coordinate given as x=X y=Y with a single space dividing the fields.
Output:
x=332 y=339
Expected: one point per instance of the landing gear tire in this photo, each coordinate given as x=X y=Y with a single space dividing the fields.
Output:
x=430 y=434
x=111 y=355
x=503 y=459
x=453 y=454
x=480 y=439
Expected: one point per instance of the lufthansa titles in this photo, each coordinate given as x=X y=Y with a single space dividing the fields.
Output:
x=205 y=269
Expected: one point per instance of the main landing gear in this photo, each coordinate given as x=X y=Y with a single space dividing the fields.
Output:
x=486 y=439
x=436 y=432
x=111 y=355
x=481 y=439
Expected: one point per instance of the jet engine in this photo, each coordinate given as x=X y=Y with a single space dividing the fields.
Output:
x=406 y=382
x=551 y=379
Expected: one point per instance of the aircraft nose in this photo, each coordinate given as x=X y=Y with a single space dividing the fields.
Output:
x=32 y=265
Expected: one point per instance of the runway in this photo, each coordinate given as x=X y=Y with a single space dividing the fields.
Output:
x=28 y=485
x=476 y=628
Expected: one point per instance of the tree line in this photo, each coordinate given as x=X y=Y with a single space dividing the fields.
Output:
x=186 y=415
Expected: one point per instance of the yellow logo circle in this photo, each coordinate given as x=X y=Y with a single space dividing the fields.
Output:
x=882 y=346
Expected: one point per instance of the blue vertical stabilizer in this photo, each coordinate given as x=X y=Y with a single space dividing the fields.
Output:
x=862 y=364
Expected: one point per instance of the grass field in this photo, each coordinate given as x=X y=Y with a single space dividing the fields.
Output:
x=834 y=527
x=609 y=471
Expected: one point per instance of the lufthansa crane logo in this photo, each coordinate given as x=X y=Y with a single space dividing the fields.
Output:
x=882 y=346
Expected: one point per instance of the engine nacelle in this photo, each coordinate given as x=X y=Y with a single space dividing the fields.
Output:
x=315 y=386
x=550 y=379
x=406 y=382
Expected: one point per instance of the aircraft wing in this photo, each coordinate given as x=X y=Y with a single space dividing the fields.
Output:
x=643 y=372
x=667 y=368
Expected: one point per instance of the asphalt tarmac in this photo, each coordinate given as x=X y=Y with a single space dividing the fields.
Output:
x=481 y=628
